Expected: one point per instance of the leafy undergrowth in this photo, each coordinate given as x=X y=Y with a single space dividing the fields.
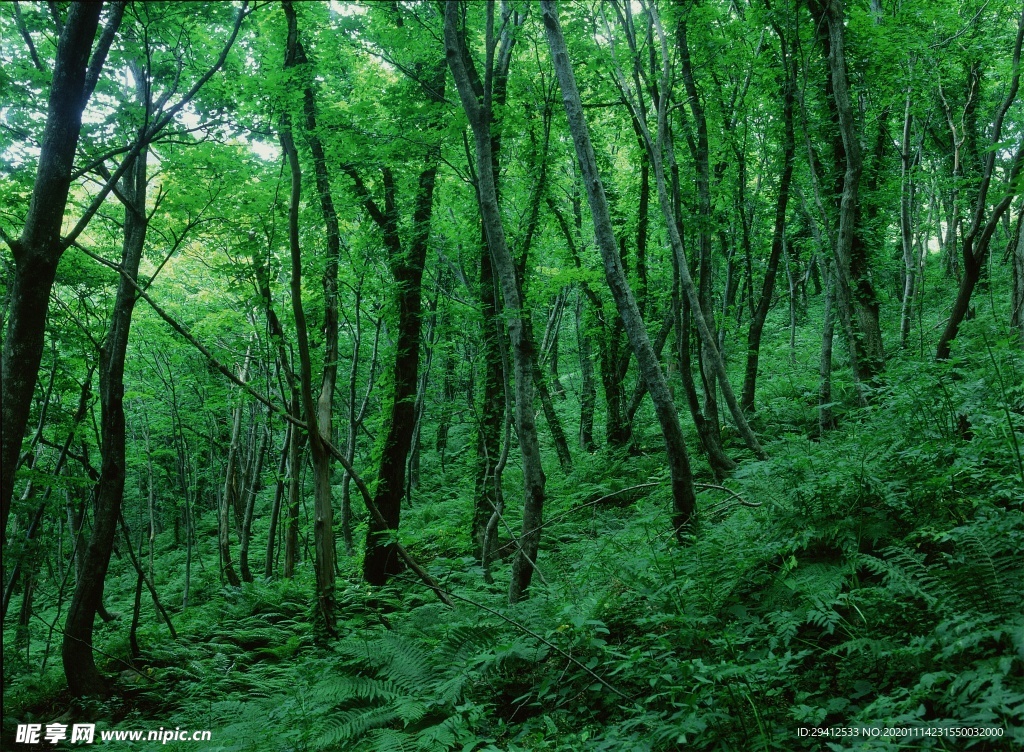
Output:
x=869 y=580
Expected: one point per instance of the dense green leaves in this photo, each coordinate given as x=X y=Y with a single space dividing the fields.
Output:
x=866 y=575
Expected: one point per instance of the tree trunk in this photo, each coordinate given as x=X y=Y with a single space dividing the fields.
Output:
x=854 y=294
x=231 y=490
x=683 y=495
x=721 y=464
x=975 y=243
x=588 y=389
x=76 y=651
x=705 y=223
x=477 y=105
x=275 y=510
x=38 y=250
x=826 y=422
x=252 y=490
x=1017 y=293
x=291 y=535
x=492 y=404
x=906 y=227
x=655 y=146
x=318 y=416
x=381 y=559
x=760 y=314
x=321 y=459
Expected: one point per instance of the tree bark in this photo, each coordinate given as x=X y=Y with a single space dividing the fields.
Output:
x=231 y=490
x=1017 y=293
x=76 y=650
x=700 y=151
x=251 y=492
x=655 y=146
x=476 y=102
x=321 y=460
x=381 y=559
x=39 y=248
x=683 y=495
x=760 y=313
x=858 y=306
x=318 y=416
x=492 y=406
x=588 y=389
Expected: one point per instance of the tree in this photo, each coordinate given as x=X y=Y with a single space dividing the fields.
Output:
x=975 y=242
x=477 y=96
x=683 y=496
x=38 y=249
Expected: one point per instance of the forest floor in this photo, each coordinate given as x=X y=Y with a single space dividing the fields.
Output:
x=868 y=581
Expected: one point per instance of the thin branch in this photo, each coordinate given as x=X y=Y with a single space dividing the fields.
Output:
x=364 y=490
x=26 y=36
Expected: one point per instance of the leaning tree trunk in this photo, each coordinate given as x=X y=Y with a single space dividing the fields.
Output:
x=38 y=250
x=76 y=649
x=655 y=146
x=683 y=495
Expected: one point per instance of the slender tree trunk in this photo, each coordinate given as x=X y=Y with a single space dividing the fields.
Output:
x=492 y=404
x=1017 y=293
x=854 y=293
x=76 y=651
x=291 y=536
x=614 y=364
x=292 y=436
x=721 y=464
x=700 y=151
x=760 y=314
x=275 y=510
x=655 y=146
x=252 y=490
x=588 y=389
x=907 y=198
x=35 y=524
x=975 y=243
x=826 y=422
x=231 y=490
x=321 y=462
x=477 y=104
x=318 y=415
x=683 y=495
x=356 y=417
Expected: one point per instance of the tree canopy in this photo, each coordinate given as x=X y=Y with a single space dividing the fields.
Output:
x=513 y=375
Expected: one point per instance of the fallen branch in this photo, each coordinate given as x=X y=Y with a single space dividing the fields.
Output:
x=740 y=499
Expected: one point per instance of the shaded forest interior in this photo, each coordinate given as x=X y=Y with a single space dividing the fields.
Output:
x=424 y=375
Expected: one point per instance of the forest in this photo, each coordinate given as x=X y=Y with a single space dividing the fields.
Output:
x=512 y=375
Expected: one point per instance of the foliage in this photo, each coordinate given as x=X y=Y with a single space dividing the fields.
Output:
x=868 y=575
